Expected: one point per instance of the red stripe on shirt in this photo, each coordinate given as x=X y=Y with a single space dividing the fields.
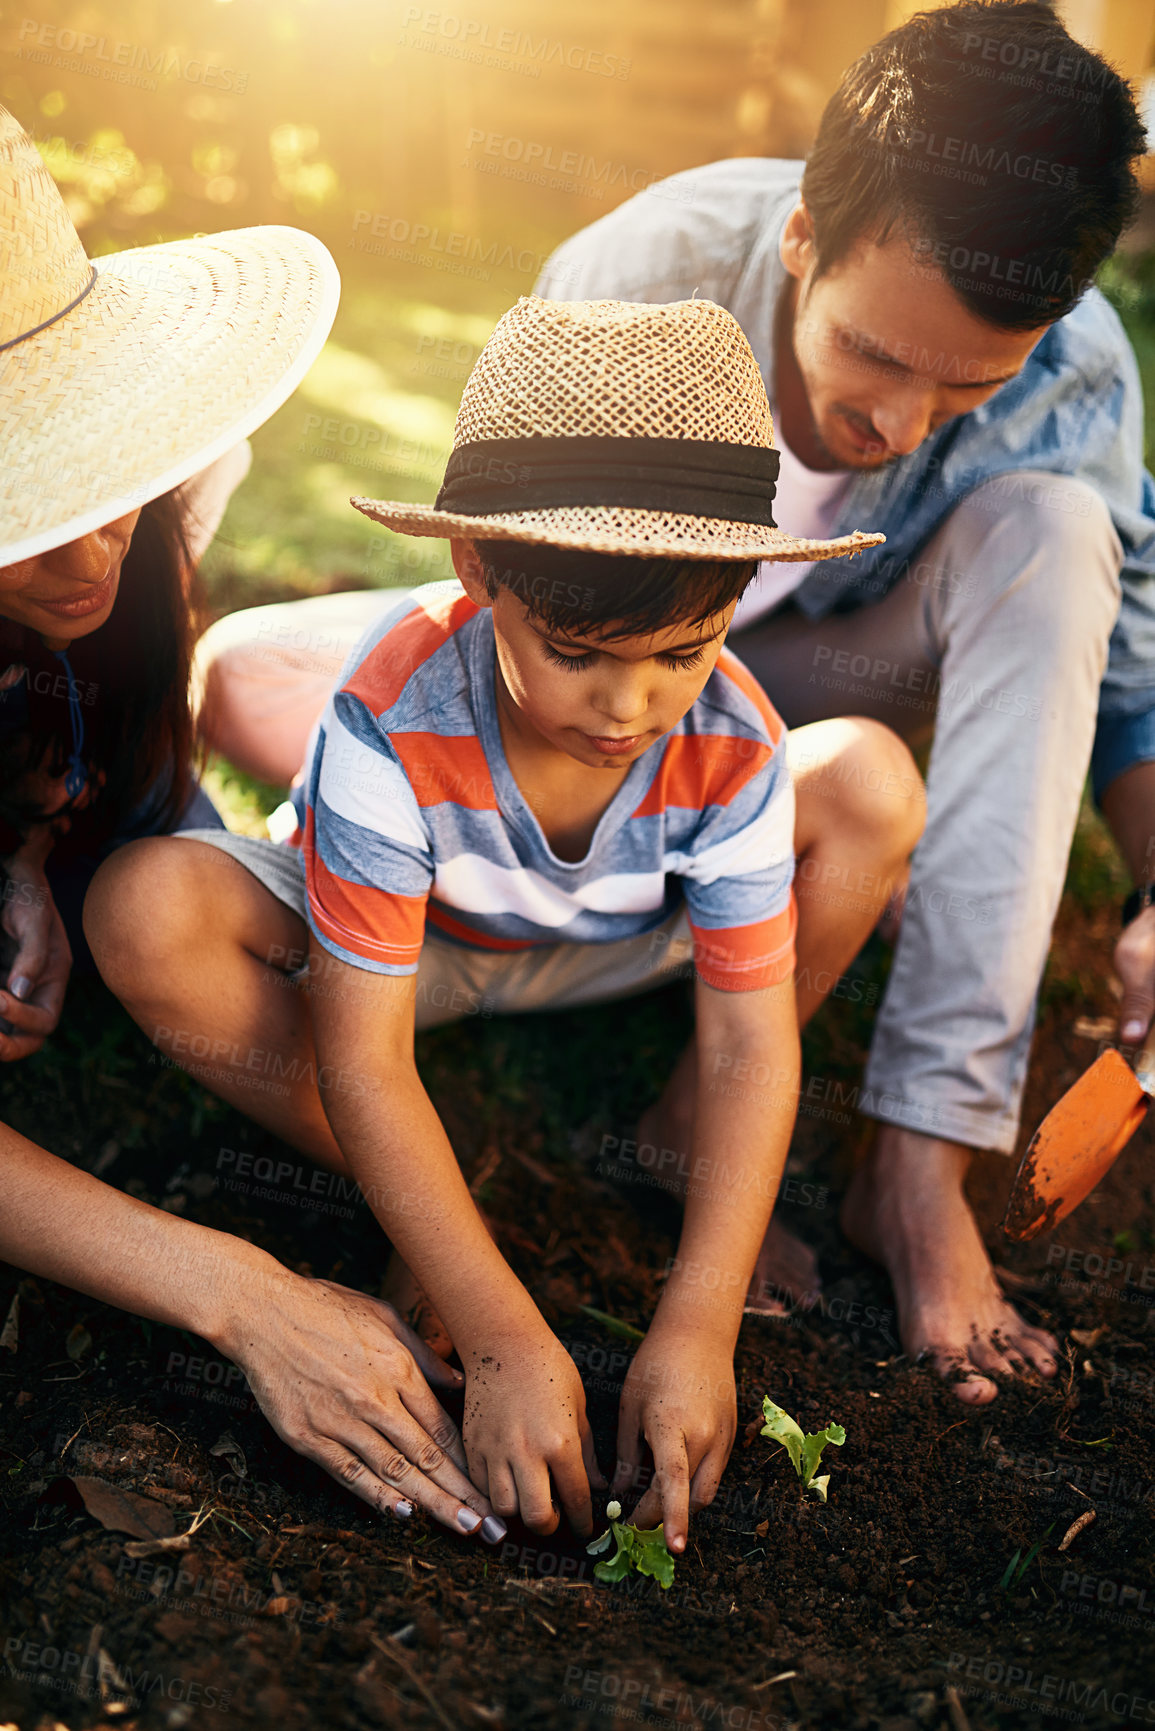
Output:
x=701 y=769
x=446 y=769
x=444 y=922
x=732 y=669
x=389 y=666
x=746 y=958
x=372 y=923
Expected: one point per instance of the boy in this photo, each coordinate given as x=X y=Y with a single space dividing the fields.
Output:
x=543 y=784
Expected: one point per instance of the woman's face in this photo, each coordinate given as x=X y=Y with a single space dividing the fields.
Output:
x=70 y=591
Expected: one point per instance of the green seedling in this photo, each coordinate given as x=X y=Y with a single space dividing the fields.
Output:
x=642 y=1550
x=1018 y=1565
x=804 y=1450
x=615 y=1324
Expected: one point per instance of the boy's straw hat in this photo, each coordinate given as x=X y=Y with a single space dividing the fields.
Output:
x=121 y=377
x=618 y=428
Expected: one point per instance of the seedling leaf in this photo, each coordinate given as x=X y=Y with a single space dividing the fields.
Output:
x=805 y=1450
x=642 y=1549
x=614 y=1324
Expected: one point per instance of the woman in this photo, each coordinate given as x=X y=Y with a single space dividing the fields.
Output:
x=120 y=381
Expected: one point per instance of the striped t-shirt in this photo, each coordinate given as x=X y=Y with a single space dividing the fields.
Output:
x=409 y=813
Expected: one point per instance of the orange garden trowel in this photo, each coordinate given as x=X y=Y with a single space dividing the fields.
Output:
x=1079 y=1140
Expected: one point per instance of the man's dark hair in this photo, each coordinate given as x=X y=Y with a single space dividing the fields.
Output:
x=997 y=145
x=611 y=595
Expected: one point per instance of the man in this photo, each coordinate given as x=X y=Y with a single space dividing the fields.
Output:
x=917 y=295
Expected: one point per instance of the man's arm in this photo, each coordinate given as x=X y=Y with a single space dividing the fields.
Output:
x=679 y=1394
x=525 y=1409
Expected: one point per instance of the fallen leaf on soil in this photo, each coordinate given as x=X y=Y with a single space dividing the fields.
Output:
x=1088 y=1336
x=172 y=1541
x=1076 y=1527
x=9 y=1337
x=124 y=1511
x=230 y=1448
x=79 y=1342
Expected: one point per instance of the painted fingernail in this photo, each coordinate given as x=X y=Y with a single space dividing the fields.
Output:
x=468 y=1520
x=493 y=1530
x=403 y=1510
x=20 y=986
x=1130 y=1031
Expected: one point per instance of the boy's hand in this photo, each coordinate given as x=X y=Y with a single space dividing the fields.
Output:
x=525 y=1422
x=679 y=1397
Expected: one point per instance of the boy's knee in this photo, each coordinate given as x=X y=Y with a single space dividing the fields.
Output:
x=140 y=910
x=880 y=791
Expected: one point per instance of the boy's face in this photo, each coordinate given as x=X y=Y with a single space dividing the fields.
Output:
x=601 y=703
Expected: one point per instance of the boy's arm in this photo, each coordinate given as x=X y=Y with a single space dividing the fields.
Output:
x=525 y=1409
x=679 y=1394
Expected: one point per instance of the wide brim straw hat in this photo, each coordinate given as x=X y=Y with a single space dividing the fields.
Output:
x=615 y=427
x=123 y=376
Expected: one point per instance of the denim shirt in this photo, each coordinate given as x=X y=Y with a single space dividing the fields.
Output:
x=1076 y=408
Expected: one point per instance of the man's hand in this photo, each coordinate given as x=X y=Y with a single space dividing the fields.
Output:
x=36 y=977
x=1135 y=966
x=339 y=1377
x=525 y=1422
x=679 y=1397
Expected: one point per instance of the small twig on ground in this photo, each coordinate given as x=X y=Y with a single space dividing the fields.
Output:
x=782 y=1677
x=396 y=1655
x=1076 y=1527
x=954 y=1707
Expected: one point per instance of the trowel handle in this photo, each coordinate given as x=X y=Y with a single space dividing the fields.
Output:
x=1145 y=1063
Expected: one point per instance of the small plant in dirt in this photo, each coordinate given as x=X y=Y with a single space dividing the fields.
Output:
x=640 y=1549
x=805 y=1450
x=1017 y=1567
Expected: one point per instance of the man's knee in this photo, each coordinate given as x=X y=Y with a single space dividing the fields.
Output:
x=141 y=910
x=1045 y=539
x=1060 y=521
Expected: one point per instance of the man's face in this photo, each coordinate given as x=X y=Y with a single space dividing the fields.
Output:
x=601 y=702
x=886 y=351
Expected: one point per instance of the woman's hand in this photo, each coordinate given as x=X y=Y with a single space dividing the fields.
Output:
x=36 y=976
x=525 y=1422
x=342 y=1380
x=679 y=1397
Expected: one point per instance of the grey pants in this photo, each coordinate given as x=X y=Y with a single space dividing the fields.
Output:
x=997 y=639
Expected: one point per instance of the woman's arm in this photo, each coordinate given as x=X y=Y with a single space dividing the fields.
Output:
x=335 y=1372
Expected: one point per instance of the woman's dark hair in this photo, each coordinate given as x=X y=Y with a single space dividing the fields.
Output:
x=132 y=680
x=611 y=595
x=998 y=146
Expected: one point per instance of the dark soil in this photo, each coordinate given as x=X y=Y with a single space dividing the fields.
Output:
x=295 y=1606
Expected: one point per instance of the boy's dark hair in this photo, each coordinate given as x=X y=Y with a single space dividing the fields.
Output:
x=998 y=145
x=611 y=595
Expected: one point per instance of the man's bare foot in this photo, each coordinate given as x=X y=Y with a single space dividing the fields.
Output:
x=906 y=1208
x=404 y=1292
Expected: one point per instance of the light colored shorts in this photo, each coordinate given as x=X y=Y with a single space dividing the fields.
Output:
x=455 y=981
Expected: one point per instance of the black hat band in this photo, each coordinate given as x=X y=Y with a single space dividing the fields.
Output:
x=691 y=477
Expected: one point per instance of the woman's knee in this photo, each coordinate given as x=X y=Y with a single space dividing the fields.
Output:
x=141 y=911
